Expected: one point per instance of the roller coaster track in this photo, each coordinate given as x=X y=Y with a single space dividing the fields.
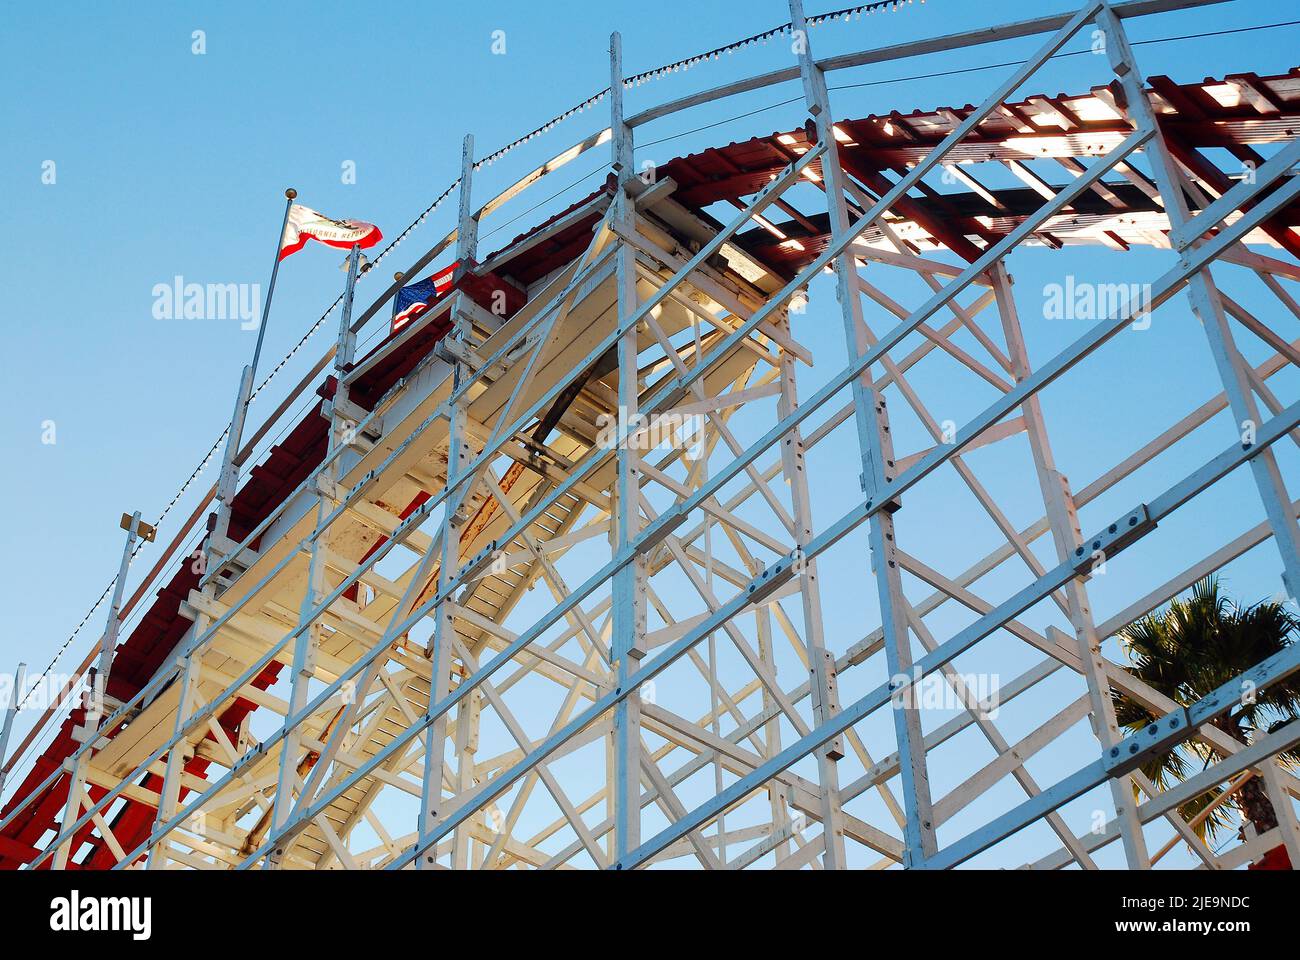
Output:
x=457 y=619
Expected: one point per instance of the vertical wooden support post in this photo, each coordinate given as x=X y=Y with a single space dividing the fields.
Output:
x=459 y=455
x=189 y=664
x=821 y=662
x=76 y=770
x=877 y=472
x=89 y=729
x=108 y=643
x=228 y=478
x=629 y=593
x=1063 y=519
x=467 y=721
x=307 y=643
x=776 y=792
x=217 y=546
x=1283 y=808
x=1208 y=307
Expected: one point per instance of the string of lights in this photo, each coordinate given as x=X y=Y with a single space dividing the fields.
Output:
x=216 y=444
x=844 y=15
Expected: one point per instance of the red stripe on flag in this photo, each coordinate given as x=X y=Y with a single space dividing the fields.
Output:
x=441 y=284
x=365 y=243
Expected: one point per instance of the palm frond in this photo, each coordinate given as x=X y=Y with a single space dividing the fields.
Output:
x=1192 y=648
x=1219 y=819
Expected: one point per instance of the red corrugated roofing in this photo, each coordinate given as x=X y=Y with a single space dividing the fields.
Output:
x=1191 y=117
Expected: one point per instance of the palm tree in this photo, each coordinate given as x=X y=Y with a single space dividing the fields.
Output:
x=1186 y=652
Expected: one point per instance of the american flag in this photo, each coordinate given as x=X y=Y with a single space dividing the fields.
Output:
x=414 y=299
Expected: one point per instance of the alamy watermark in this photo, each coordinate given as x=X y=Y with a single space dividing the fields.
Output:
x=1084 y=300
x=180 y=300
x=40 y=693
x=77 y=914
x=933 y=691
x=672 y=430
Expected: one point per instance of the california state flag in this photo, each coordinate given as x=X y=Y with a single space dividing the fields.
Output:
x=306 y=224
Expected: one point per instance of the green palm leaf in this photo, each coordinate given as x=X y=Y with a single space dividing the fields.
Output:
x=1191 y=648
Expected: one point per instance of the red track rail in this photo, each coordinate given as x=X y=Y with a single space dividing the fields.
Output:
x=1193 y=118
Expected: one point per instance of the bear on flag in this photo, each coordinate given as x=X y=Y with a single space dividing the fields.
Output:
x=304 y=223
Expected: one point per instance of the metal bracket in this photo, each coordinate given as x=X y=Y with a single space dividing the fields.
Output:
x=1156 y=738
x=1119 y=535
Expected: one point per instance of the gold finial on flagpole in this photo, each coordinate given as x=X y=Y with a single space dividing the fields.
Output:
x=291 y=193
x=398 y=276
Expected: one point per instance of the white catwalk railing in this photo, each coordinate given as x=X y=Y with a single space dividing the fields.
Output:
x=247 y=450
x=823 y=262
x=1135 y=8
x=923 y=468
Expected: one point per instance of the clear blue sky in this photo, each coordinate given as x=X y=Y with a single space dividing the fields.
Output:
x=170 y=163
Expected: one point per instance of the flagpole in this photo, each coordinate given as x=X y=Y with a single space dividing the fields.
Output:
x=306 y=644
x=289 y=196
x=229 y=477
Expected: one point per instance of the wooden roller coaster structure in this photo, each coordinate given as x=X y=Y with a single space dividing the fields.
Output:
x=609 y=409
